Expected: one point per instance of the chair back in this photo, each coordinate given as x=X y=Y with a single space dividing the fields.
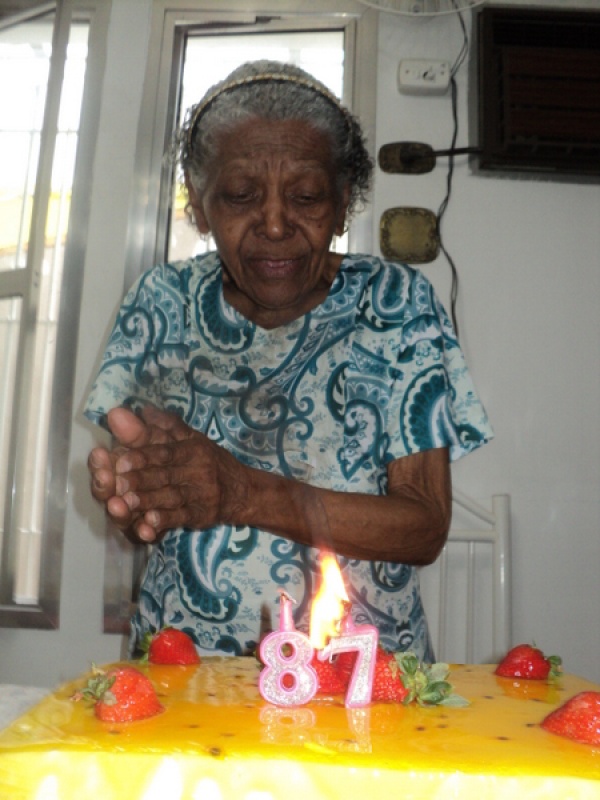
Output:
x=467 y=592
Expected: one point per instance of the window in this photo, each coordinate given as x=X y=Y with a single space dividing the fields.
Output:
x=42 y=69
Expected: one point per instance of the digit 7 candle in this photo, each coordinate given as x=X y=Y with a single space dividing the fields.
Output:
x=363 y=639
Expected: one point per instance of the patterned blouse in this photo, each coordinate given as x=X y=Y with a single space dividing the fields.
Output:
x=373 y=374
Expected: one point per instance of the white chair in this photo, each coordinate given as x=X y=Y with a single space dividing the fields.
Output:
x=467 y=592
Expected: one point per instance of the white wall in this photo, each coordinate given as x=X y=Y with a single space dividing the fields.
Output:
x=528 y=257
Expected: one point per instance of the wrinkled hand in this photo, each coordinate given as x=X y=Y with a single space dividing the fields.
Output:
x=162 y=474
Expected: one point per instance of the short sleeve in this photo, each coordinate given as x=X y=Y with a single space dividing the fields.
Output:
x=434 y=402
x=129 y=374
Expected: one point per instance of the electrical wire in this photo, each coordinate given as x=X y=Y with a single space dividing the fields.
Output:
x=444 y=206
x=450 y=174
x=464 y=50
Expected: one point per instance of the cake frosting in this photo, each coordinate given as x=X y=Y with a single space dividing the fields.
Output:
x=217 y=739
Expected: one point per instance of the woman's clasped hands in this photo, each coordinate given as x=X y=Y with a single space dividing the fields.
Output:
x=162 y=474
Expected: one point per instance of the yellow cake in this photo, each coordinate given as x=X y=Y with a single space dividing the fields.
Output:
x=217 y=739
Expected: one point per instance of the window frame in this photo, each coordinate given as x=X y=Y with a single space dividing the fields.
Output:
x=169 y=23
x=45 y=613
x=152 y=196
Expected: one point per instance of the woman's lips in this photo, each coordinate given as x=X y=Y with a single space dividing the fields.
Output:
x=275 y=267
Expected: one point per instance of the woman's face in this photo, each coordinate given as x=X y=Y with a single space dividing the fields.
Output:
x=272 y=207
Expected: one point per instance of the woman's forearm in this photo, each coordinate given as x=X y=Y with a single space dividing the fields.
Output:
x=164 y=475
x=409 y=525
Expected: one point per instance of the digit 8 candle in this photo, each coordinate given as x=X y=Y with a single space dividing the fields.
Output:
x=287 y=678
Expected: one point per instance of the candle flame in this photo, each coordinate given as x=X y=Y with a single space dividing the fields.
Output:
x=329 y=605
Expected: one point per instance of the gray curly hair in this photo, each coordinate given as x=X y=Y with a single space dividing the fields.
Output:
x=276 y=91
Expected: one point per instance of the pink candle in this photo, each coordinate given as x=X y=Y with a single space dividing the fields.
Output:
x=363 y=639
x=287 y=679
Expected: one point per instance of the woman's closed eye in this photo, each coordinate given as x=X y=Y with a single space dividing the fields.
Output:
x=240 y=196
x=307 y=197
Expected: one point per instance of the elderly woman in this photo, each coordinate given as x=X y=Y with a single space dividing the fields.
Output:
x=274 y=398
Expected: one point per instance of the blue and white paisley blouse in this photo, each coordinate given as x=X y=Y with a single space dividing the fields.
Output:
x=373 y=374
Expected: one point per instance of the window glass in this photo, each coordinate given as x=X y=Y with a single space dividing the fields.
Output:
x=29 y=308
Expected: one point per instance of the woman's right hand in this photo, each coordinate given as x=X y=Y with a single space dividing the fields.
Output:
x=129 y=431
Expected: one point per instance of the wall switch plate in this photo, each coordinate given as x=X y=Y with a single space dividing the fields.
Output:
x=423 y=76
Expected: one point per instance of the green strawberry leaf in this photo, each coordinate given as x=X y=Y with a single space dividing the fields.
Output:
x=144 y=645
x=430 y=698
x=426 y=683
x=407 y=662
x=455 y=701
x=555 y=667
x=97 y=687
x=439 y=671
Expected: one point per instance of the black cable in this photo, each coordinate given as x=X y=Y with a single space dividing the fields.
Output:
x=462 y=54
x=444 y=204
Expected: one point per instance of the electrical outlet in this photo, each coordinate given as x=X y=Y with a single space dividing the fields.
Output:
x=423 y=76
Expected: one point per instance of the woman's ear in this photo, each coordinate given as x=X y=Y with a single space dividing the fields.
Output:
x=197 y=207
x=340 y=224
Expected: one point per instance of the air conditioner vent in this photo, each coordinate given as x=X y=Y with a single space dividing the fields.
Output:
x=539 y=90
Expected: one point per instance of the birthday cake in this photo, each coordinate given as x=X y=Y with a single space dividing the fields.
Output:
x=216 y=738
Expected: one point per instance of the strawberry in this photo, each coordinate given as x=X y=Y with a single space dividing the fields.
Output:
x=121 y=694
x=577 y=719
x=330 y=680
x=344 y=664
x=169 y=646
x=527 y=661
x=387 y=681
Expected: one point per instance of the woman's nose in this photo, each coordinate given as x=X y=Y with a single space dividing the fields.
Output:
x=275 y=222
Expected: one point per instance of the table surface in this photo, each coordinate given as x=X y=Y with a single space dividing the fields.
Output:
x=15 y=700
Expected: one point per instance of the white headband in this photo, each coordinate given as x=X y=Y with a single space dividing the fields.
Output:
x=275 y=77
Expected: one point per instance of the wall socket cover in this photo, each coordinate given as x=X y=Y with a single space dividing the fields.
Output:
x=423 y=76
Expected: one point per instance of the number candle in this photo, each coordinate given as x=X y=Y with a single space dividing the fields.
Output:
x=287 y=679
x=362 y=639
